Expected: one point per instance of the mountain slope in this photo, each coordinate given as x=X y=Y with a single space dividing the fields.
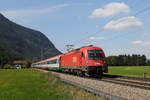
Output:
x=24 y=42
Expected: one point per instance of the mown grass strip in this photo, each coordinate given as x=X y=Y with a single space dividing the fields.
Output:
x=29 y=84
x=136 y=71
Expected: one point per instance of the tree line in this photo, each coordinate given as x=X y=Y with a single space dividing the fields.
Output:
x=128 y=60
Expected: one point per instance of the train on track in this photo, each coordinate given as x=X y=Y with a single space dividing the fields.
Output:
x=84 y=61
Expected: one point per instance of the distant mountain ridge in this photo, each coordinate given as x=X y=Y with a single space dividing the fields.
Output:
x=19 y=41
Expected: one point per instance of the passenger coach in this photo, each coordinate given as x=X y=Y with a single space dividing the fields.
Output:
x=50 y=63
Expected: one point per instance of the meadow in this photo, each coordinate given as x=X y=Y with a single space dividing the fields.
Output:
x=30 y=84
x=135 y=71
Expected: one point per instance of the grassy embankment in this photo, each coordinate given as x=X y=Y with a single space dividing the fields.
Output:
x=136 y=71
x=29 y=84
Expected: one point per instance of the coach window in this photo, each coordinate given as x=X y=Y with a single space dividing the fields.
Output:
x=82 y=54
x=49 y=62
x=55 y=61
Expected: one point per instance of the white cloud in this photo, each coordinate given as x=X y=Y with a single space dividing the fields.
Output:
x=123 y=23
x=140 y=43
x=21 y=15
x=96 y=38
x=111 y=9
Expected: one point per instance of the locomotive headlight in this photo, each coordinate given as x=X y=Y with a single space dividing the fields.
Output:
x=97 y=63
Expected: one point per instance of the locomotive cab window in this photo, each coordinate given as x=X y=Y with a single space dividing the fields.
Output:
x=95 y=54
x=83 y=55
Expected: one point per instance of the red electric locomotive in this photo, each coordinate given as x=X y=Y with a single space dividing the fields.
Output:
x=88 y=61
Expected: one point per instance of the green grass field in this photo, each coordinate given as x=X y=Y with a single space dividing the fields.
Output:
x=29 y=84
x=136 y=71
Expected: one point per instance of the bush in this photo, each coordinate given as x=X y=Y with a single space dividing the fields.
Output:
x=28 y=65
x=8 y=66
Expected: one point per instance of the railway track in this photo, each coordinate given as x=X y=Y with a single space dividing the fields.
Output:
x=132 y=82
x=110 y=87
x=136 y=84
x=127 y=77
x=128 y=81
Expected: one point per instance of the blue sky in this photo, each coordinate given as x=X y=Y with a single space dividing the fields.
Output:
x=118 y=26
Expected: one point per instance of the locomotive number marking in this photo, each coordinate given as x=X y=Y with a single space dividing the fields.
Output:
x=74 y=59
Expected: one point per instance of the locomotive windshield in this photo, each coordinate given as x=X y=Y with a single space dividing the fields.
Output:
x=95 y=54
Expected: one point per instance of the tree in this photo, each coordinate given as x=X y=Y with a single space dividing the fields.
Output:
x=143 y=60
x=29 y=62
x=148 y=62
x=8 y=66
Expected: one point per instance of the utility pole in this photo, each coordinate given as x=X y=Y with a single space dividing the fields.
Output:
x=69 y=47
